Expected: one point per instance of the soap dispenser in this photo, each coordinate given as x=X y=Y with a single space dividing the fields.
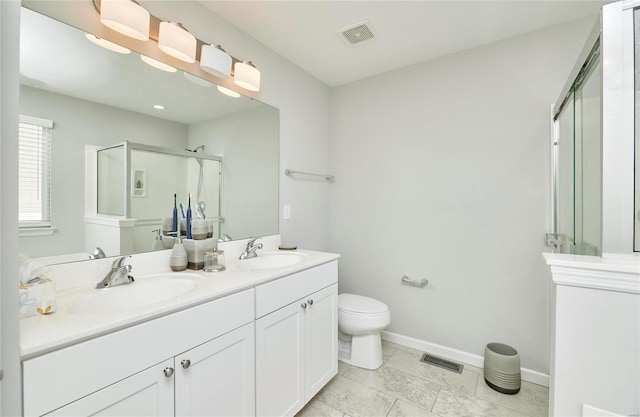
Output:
x=178 y=260
x=157 y=242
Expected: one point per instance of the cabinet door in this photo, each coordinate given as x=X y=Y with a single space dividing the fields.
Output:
x=218 y=379
x=279 y=362
x=147 y=393
x=321 y=339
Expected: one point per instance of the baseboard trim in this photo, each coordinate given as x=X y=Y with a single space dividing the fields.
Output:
x=528 y=375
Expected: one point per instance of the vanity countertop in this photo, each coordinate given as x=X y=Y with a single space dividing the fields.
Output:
x=42 y=334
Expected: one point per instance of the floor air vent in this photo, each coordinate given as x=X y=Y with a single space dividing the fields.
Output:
x=442 y=363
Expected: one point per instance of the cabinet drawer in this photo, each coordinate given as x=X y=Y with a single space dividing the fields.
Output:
x=277 y=294
x=58 y=378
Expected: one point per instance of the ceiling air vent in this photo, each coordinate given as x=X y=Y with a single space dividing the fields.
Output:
x=357 y=33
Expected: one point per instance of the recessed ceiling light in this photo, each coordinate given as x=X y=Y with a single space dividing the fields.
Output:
x=158 y=107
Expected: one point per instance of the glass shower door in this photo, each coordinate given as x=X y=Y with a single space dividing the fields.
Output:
x=588 y=160
x=577 y=185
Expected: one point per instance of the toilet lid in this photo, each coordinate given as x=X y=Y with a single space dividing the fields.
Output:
x=359 y=304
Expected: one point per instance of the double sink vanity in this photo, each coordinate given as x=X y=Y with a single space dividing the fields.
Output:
x=257 y=339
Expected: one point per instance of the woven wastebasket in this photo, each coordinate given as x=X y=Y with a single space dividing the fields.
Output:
x=502 y=368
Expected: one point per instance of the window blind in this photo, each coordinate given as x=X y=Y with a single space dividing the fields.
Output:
x=34 y=172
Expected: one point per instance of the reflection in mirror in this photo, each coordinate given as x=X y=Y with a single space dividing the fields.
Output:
x=97 y=99
x=154 y=175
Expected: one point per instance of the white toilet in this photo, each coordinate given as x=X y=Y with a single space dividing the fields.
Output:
x=360 y=320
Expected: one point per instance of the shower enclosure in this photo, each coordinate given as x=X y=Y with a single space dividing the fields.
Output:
x=577 y=158
x=596 y=142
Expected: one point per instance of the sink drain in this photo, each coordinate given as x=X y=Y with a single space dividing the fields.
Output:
x=442 y=363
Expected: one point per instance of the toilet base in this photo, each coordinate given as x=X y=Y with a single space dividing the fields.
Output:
x=364 y=351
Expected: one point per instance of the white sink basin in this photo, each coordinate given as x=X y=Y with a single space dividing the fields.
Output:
x=267 y=260
x=146 y=290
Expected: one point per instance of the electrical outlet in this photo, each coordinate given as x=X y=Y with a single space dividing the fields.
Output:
x=287 y=212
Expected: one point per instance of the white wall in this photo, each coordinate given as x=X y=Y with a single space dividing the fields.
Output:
x=442 y=172
x=76 y=123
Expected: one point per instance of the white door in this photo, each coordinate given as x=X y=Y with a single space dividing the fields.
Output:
x=217 y=378
x=321 y=339
x=147 y=393
x=279 y=362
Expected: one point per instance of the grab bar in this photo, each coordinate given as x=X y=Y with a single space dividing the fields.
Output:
x=405 y=279
x=290 y=172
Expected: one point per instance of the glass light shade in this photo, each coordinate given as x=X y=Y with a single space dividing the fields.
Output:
x=228 y=92
x=215 y=61
x=106 y=44
x=176 y=41
x=197 y=80
x=157 y=64
x=126 y=17
x=246 y=75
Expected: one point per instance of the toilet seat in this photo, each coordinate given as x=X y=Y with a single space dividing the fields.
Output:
x=357 y=304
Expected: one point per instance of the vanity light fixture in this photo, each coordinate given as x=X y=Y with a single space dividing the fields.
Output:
x=157 y=64
x=129 y=18
x=228 y=92
x=246 y=75
x=215 y=60
x=176 y=41
x=126 y=17
x=106 y=44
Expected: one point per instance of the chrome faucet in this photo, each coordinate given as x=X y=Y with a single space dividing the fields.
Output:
x=118 y=275
x=250 y=250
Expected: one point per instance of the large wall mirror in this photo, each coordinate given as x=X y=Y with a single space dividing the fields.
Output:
x=97 y=99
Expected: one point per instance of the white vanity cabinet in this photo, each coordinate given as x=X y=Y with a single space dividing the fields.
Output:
x=296 y=339
x=141 y=369
x=264 y=346
x=147 y=393
x=217 y=378
x=214 y=379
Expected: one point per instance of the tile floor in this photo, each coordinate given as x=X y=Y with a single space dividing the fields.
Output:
x=404 y=386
